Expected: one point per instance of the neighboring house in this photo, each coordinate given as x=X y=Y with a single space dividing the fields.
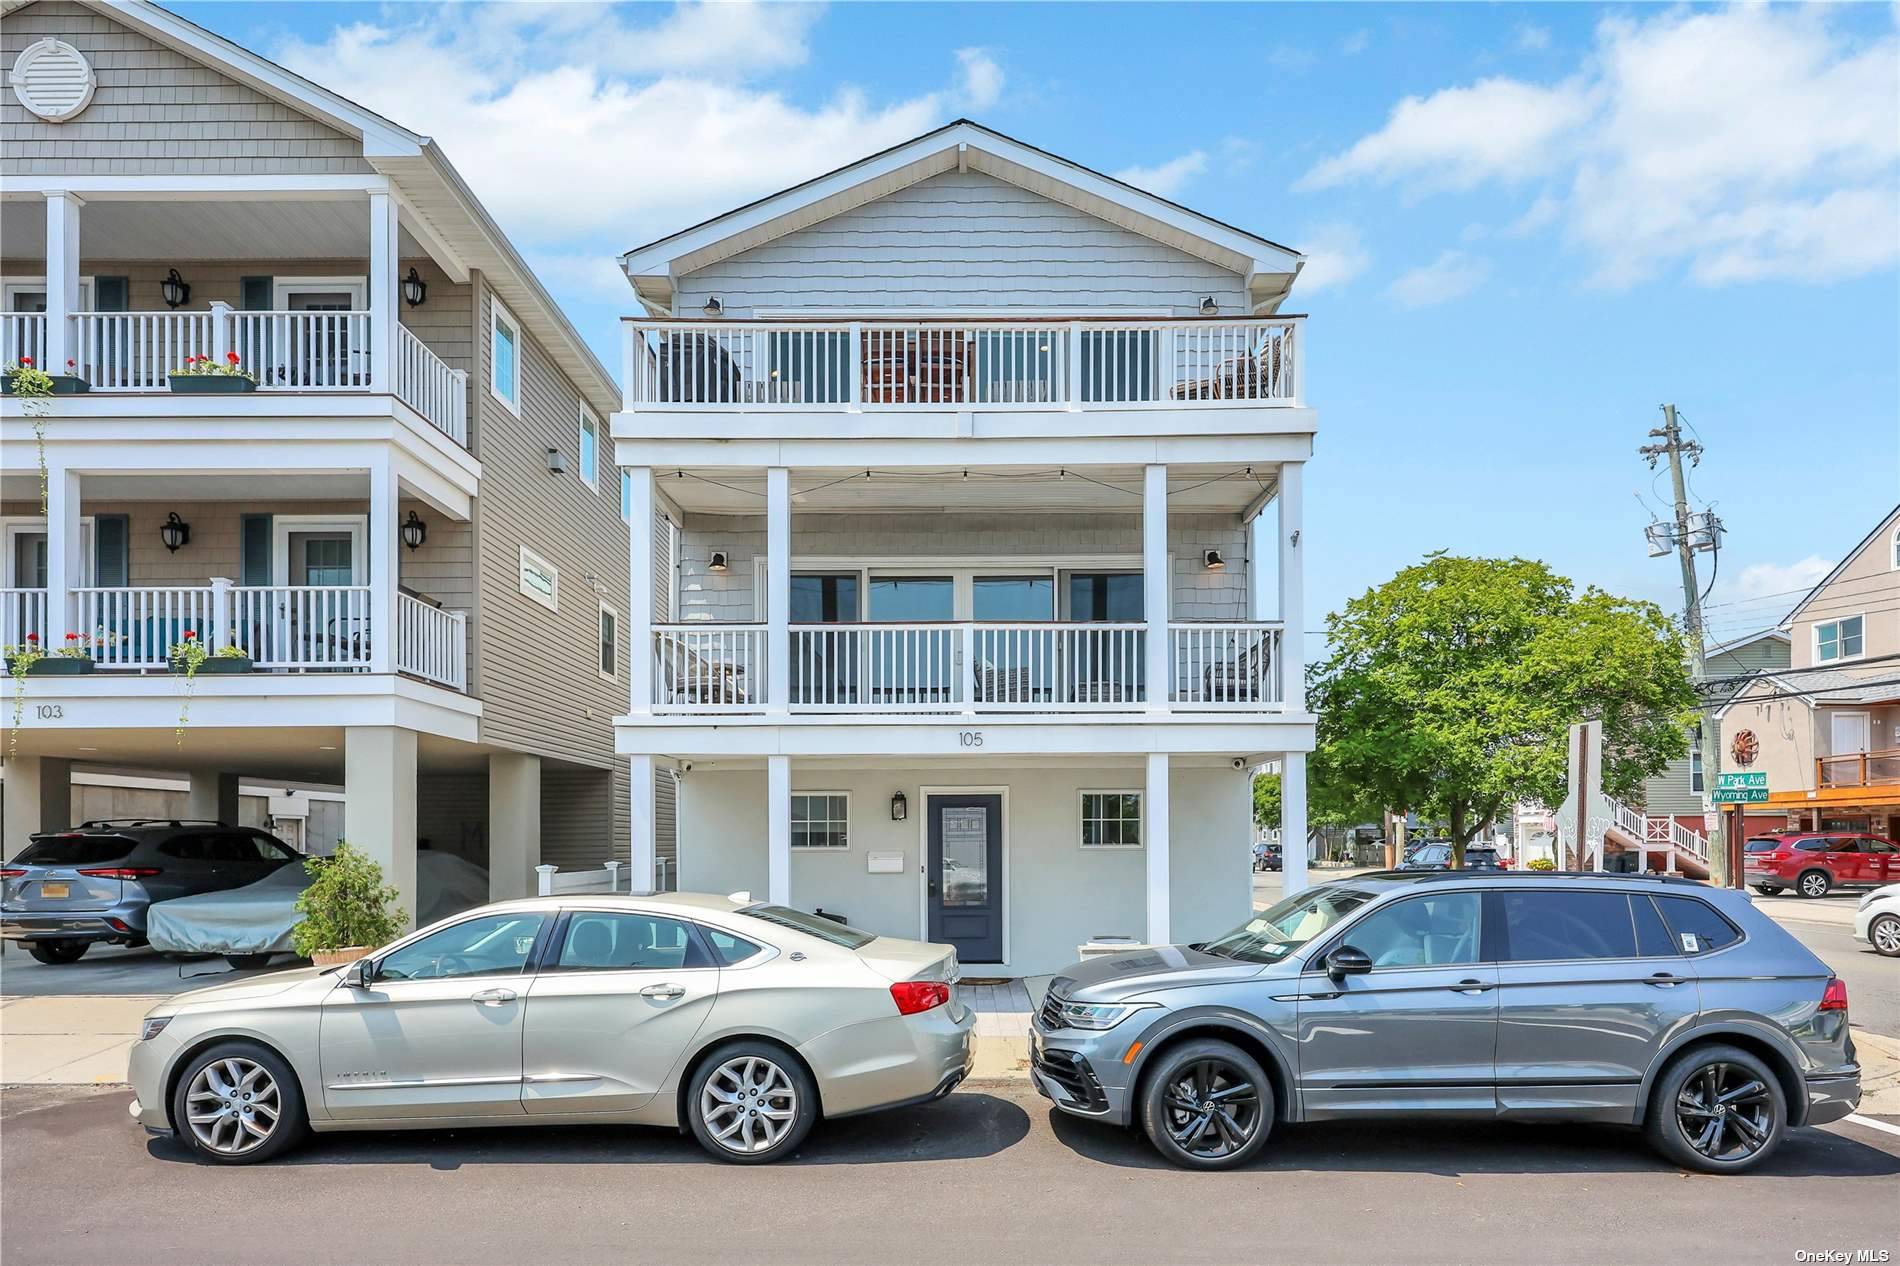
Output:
x=410 y=526
x=1827 y=730
x=1679 y=791
x=951 y=608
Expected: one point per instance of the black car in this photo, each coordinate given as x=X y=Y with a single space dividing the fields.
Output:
x=1438 y=857
x=95 y=882
x=1266 y=857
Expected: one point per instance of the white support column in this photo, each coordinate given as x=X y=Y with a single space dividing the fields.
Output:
x=65 y=569
x=1292 y=512
x=62 y=278
x=778 y=589
x=1155 y=813
x=385 y=563
x=213 y=796
x=1292 y=822
x=778 y=830
x=514 y=824
x=1154 y=584
x=379 y=804
x=38 y=797
x=385 y=286
x=640 y=588
x=645 y=850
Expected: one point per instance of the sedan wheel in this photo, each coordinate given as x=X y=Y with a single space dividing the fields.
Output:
x=1207 y=1105
x=237 y=1104
x=751 y=1103
x=1884 y=932
x=1720 y=1111
x=1814 y=883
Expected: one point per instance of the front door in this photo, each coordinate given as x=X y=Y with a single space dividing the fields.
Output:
x=964 y=875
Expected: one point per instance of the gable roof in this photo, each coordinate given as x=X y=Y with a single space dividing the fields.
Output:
x=1747 y=639
x=1268 y=267
x=1885 y=525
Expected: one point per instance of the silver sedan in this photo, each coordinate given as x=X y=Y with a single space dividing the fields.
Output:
x=743 y=1022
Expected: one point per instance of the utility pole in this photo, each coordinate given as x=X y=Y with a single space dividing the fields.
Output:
x=1688 y=537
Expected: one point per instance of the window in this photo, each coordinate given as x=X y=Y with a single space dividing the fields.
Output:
x=600 y=941
x=626 y=495
x=493 y=945
x=504 y=362
x=819 y=819
x=1698 y=928
x=86 y=850
x=1652 y=934
x=1895 y=560
x=187 y=848
x=1843 y=844
x=1111 y=819
x=590 y=450
x=1695 y=762
x=826 y=930
x=1550 y=926
x=1440 y=930
x=540 y=580
x=609 y=640
x=1839 y=639
x=727 y=948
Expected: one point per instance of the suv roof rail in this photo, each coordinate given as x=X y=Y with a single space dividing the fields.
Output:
x=112 y=822
x=1440 y=875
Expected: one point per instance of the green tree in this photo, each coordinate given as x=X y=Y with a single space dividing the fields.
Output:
x=1449 y=691
x=346 y=904
x=1266 y=801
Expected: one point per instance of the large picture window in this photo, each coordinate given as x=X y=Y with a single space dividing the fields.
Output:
x=1111 y=819
x=820 y=819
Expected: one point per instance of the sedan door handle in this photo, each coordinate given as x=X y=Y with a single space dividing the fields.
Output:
x=1472 y=986
x=1664 y=980
x=668 y=991
x=493 y=997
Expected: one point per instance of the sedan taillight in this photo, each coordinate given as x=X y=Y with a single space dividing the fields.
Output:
x=120 y=872
x=912 y=996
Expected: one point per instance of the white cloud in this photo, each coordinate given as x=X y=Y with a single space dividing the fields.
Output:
x=1335 y=254
x=1166 y=178
x=1450 y=276
x=1540 y=213
x=1290 y=58
x=982 y=82
x=1356 y=43
x=1533 y=38
x=1745 y=143
x=1759 y=581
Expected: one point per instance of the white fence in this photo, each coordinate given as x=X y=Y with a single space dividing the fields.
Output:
x=302 y=626
x=23 y=337
x=1049 y=364
x=22 y=615
x=552 y=880
x=1225 y=665
x=1035 y=666
x=136 y=628
x=708 y=667
x=430 y=387
x=310 y=351
x=431 y=642
x=137 y=351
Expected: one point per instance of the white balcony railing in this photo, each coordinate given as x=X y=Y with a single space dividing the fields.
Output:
x=874 y=668
x=303 y=351
x=22 y=617
x=708 y=667
x=303 y=626
x=23 y=337
x=136 y=351
x=1221 y=665
x=136 y=628
x=430 y=387
x=1024 y=364
x=1037 y=666
x=431 y=642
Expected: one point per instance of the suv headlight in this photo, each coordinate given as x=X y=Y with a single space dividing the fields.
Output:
x=154 y=1025
x=1097 y=1015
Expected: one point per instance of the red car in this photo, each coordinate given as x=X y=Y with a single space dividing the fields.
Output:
x=1814 y=862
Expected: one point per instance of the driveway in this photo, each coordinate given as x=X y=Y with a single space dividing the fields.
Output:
x=113 y=969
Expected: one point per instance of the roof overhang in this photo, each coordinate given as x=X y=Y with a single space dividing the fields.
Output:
x=1267 y=267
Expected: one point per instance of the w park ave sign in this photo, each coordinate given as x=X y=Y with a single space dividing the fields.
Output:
x=1744 y=788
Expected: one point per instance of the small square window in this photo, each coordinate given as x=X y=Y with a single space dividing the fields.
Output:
x=1111 y=819
x=590 y=450
x=504 y=362
x=819 y=819
x=609 y=640
x=1840 y=639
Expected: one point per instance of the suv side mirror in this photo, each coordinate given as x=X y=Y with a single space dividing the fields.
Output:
x=360 y=973
x=1347 y=961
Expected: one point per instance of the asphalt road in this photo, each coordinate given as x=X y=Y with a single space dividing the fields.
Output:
x=984 y=1176
x=113 y=969
x=1873 y=982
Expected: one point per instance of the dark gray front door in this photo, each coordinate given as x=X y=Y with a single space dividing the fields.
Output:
x=964 y=875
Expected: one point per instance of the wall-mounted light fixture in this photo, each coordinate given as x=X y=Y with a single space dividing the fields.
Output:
x=557 y=464
x=176 y=292
x=174 y=532
x=900 y=807
x=714 y=307
x=1213 y=561
x=414 y=531
x=718 y=563
x=1208 y=306
x=414 y=290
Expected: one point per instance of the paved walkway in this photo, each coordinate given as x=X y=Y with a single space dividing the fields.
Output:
x=1002 y=1025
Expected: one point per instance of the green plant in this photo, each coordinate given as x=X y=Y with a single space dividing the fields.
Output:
x=231 y=366
x=20 y=661
x=34 y=387
x=1540 y=863
x=231 y=650
x=347 y=904
x=190 y=655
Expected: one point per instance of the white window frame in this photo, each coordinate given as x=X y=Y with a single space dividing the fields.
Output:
x=13 y=526
x=498 y=316
x=282 y=288
x=1082 y=817
x=1698 y=780
x=11 y=284
x=553 y=601
x=590 y=470
x=1835 y=624
x=822 y=848
x=607 y=613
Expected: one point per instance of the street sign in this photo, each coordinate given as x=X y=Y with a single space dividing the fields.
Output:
x=1741 y=795
x=1735 y=782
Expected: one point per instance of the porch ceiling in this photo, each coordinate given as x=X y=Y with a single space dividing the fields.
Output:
x=178 y=230
x=17 y=485
x=1208 y=489
x=306 y=754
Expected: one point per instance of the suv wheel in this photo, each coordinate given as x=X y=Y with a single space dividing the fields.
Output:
x=1814 y=883
x=1207 y=1105
x=1884 y=933
x=1719 y=1110
x=1767 y=890
x=751 y=1104
x=55 y=952
x=238 y=1103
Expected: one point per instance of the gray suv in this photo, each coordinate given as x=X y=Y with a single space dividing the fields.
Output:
x=1638 y=1000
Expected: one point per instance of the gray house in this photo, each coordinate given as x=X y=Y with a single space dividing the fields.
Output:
x=1678 y=792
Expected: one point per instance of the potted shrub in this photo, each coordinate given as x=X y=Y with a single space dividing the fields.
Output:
x=347 y=910
x=203 y=376
x=193 y=660
x=27 y=379
x=72 y=659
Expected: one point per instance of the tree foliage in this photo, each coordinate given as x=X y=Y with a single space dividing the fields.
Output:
x=346 y=904
x=1266 y=801
x=1449 y=691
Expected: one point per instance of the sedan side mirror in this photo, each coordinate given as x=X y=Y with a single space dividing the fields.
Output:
x=360 y=973
x=1347 y=961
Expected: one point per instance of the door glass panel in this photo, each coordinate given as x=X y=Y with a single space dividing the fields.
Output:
x=1547 y=926
x=1012 y=598
x=495 y=945
x=29 y=300
x=598 y=941
x=966 y=857
x=1435 y=931
x=1105 y=596
x=29 y=560
x=322 y=558
x=912 y=599
x=319 y=301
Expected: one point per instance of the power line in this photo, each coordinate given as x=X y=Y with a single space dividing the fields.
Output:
x=1820 y=690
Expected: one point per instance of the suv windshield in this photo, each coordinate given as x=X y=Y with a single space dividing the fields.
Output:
x=1276 y=932
x=74 y=850
x=811 y=925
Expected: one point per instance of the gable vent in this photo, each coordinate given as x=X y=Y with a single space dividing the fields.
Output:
x=53 y=80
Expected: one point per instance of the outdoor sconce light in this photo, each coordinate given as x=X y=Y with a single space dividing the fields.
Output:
x=718 y=563
x=414 y=289
x=557 y=464
x=900 y=807
x=414 y=531
x=714 y=307
x=1208 y=306
x=174 y=531
x=176 y=292
x=1213 y=561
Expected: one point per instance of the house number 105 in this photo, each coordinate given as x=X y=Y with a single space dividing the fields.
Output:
x=970 y=738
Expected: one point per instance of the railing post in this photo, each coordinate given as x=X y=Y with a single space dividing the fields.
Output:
x=385 y=243
x=778 y=587
x=1074 y=376
x=1296 y=330
x=965 y=677
x=544 y=879
x=1155 y=584
x=220 y=614
x=856 y=365
x=613 y=876
x=220 y=331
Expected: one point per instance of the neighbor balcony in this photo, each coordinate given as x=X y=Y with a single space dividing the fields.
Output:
x=1859 y=769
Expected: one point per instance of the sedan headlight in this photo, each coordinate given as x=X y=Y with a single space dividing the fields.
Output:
x=1096 y=1015
x=153 y=1027
x=1868 y=899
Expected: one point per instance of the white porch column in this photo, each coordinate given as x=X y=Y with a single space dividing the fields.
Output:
x=640 y=582
x=1154 y=825
x=385 y=563
x=645 y=849
x=1292 y=822
x=778 y=830
x=385 y=244
x=379 y=803
x=65 y=567
x=514 y=824
x=778 y=590
x=1154 y=586
x=1292 y=513
x=38 y=796
x=213 y=796
x=62 y=278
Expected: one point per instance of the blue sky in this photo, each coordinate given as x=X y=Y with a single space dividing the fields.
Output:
x=1528 y=225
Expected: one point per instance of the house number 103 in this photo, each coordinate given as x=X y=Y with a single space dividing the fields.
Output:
x=970 y=738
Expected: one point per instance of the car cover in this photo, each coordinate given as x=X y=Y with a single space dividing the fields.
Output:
x=257 y=918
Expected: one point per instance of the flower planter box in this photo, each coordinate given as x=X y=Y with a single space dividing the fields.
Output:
x=217 y=666
x=57 y=666
x=210 y=384
x=63 y=385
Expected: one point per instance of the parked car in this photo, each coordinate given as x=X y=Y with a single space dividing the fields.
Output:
x=1877 y=922
x=1641 y=1000
x=1438 y=857
x=68 y=889
x=740 y=1021
x=1814 y=863
x=1267 y=856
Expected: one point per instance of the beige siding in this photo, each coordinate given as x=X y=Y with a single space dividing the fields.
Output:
x=963 y=241
x=155 y=110
x=1868 y=585
x=577 y=817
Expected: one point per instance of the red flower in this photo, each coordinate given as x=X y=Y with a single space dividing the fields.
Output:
x=27 y=361
x=32 y=637
x=72 y=637
x=232 y=357
x=189 y=634
x=71 y=363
